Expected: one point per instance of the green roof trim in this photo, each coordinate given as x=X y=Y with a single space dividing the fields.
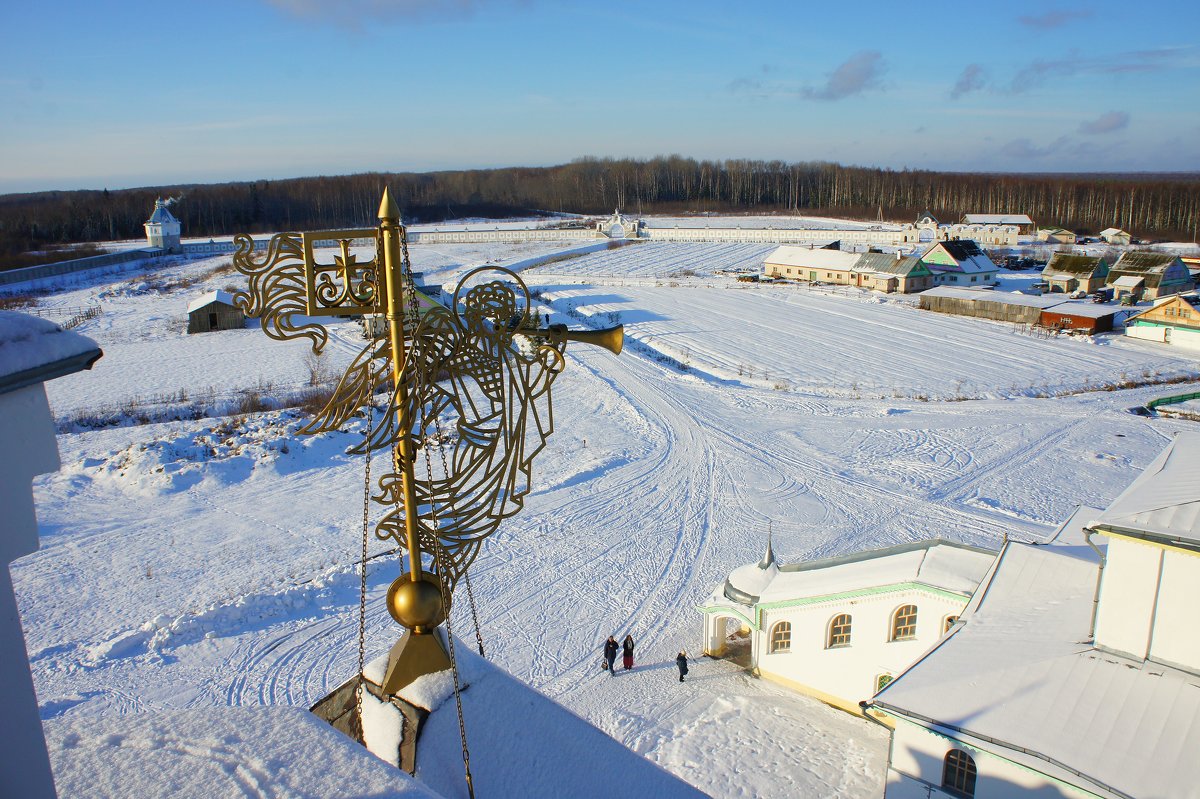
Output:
x=892 y=588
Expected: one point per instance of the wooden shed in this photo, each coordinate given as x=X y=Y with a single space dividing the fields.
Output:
x=214 y=311
x=999 y=305
x=1086 y=317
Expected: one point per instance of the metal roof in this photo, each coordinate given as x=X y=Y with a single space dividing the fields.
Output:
x=161 y=215
x=997 y=219
x=1164 y=501
x=1144 y=261
x=1017 y=678
x=1074 y=264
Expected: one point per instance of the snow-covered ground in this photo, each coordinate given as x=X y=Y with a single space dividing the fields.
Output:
x=211 y=562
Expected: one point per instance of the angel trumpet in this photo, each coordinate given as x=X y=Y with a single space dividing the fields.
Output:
x=611 y=338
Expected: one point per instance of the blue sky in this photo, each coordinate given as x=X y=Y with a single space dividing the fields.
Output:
x=121 y=94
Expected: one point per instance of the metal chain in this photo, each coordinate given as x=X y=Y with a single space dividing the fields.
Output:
x=441 y=447
x=474 y=615
x=362 y=578
x=440 y=556
x=443 y=569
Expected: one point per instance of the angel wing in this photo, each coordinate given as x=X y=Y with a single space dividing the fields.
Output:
x=276 y=290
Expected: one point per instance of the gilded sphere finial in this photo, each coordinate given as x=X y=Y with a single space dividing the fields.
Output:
x=416 y=604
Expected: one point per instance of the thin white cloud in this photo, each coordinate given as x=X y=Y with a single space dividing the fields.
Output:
x=350 y=13
x=1054 y=19
x=1041 y=71
x=859 y=72
x=1106 y=123
x=972 y=79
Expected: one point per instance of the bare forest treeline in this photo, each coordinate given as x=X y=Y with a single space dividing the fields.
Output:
x=1148 y=205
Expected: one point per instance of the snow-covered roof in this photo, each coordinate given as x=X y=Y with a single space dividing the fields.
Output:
x=813 y=259
x=211 y=297
x=1065 y=265
x=1016 y=679
x=997 y=219
x=1090 y=310
x=1145 y=261
x=937 y=563
x=34 y=350
x=1113 y=231
x=1164 y=501
x=1129 y=281
x=215 y=752
x=1004 y=297
x=886 y=263
x=162 y=214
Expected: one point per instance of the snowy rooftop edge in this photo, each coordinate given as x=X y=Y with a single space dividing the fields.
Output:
x=34 y=350
x=1037 y=670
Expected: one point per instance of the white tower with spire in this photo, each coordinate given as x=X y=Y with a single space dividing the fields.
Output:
x=162 y=228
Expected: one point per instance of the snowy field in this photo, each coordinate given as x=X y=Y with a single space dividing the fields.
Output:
x=211 y=562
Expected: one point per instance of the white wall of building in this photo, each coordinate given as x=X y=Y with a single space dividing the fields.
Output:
x=1148 y=600
x=918 y=756
x=27 y=448
x=850 y=673
x=1175 y=336
x=1174 y=639
x=1128 y=591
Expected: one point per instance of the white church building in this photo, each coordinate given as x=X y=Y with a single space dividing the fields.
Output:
x=1074 y=671
x=841 y=628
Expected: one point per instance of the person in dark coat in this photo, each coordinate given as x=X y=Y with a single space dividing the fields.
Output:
x=610 y=654
x=681 y=662
x=627 y=646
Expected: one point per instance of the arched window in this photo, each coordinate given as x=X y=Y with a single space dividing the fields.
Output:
x=904 y=623
x=958 y=773
x=948 y=624
x=839 y=631
x=781 y=637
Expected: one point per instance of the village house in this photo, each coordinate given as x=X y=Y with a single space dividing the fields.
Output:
x=812 y=265
x=893 y=273
x=840 y=628
x=1148 y=275
x=960 y=263
x=1074 y=670
x=1055 y=235
x=214 y=311
x=1116 y=236
x=1174 y=320
x=885 y=272
x=1069 y=272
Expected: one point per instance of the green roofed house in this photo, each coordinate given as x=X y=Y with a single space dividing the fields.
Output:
x=960 y=263
x=1148 y=275
x=1068 y=272
x=891 y=272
